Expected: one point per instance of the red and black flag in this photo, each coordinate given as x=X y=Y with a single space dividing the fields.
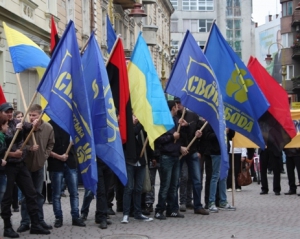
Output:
x=276 y=124
x=2 y=96
x=118 y=79
x=54 y=36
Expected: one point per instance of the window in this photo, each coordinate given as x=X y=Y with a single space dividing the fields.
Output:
x=205 y=5
x=289 y=72
x=175 y=4
x=174 y=25
x=201 y=44
x=191 y=24
x=287 y=8
x=201 y=5
x=287 y=39
x=233 y=8
x=174 y=47
x=205 y=24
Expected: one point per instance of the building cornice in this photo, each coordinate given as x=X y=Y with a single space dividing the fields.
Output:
x=168 y=6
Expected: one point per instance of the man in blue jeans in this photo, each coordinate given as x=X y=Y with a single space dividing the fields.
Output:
x=215 y=154
x=63 y=164
x=168 y=147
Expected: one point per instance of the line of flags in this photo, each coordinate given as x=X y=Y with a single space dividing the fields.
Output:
x=95 y=105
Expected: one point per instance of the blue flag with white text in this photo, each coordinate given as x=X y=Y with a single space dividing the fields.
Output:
x=194 y=82
x=111 y=35
x=244 y=102
x=108 y=142
x=64 y=88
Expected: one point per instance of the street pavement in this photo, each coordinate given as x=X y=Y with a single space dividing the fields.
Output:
x=257 y=216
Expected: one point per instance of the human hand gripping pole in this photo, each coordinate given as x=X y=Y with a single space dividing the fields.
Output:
x=179 y=126
x=195 y=137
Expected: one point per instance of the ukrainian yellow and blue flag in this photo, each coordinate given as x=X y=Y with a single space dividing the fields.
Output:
x=147 y=97
x=108 y=144
x=193 y=81
x=244 y=102
x=64 y=87
x=24 y=52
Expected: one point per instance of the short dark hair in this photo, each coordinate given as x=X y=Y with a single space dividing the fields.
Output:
x=171 y=104
x=18 y=112
x=36 y=107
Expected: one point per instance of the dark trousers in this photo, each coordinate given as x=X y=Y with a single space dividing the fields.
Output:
x=15 y=200
x=19 y=173
x=237 y=170
x=267 y=157
x=292 y=163
x=104 y=176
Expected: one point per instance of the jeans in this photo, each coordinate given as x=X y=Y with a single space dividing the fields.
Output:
x=185 y=185
x=169 y=178
x=87 y=199
x=71 y=179
x=216 y=163
x=38 y=180
x=3 y=182
x=133 y=189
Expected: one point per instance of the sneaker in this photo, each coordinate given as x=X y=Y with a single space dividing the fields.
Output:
x=175 y=214
x=110 y=211
x=227 y=207
x=212 y=208
x=182 y=208
x=125 y=219
x=229 y=190
x=143 y=218
x=238 y=190
x=160 y=216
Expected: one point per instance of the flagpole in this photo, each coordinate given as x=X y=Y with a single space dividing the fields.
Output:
x=144 y=146
x=18 y=130
x=85 y=45
x=179 y=126
x=69 y=147
x=195 y=137
x=23 y=99
x=232 y=170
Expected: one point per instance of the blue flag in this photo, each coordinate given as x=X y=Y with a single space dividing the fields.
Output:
x=108 y=142
x=244 y=102
x=111 y=35
x=65 y=90
x=194 y=82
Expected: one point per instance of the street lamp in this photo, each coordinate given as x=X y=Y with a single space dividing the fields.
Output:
x=269 y=59
x=137 y=13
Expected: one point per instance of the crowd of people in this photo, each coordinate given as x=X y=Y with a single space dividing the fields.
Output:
x=180 y=158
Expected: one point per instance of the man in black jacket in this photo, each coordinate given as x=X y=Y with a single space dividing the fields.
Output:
x=63 y=164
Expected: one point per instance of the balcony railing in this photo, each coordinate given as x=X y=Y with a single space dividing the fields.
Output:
x=296 y=18
x=296 y=83
x=126 y=4
x=296 y=53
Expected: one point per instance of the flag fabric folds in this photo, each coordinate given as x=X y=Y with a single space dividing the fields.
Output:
x=111 y=35
x=24 y=52
x=276 y=124
x=193 y=81
x=105 y=123
x=244 y=102
x=2 y=96
x=118 y=79
x=53 y=36
x=64 y=87
x=147 y=97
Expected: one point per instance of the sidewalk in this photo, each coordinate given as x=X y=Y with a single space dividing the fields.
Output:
x=257 y=216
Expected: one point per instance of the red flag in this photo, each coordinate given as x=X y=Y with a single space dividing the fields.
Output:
x=276 y=124
x=118 y=79
x=54 y=36
x=2 y=96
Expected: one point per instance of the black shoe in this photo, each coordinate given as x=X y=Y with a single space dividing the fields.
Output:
x=175 y=214
x=145 y=212
x=58 y=222
x=63 y=195
x=282 y=172
x=190 y=206
x=10 y=232
x=119 y=209
x=103 y=225
x=110 y=211
x=45 y=225
x=254 y=179
x=269 y=171
x=263 y=192
x=277 y=193
x=108 y=222
x=201 y=211
x=83 y=216
x=23 y=228
x=160 y=216
x=78 y=222
x=50 y=202
x=290 y=192
x=16 y=210
x=38 y=229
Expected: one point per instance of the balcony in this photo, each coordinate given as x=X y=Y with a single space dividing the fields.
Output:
x=125 y=4
x=296 y=53
x=296 y=19
x=296 y=83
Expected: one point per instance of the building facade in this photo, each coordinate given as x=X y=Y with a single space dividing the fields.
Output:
x=233 y=18
x=32 y=18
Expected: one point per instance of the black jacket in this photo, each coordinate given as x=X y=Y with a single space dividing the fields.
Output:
x=62 y=141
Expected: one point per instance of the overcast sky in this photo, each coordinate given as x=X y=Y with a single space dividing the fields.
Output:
x=262 y=8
